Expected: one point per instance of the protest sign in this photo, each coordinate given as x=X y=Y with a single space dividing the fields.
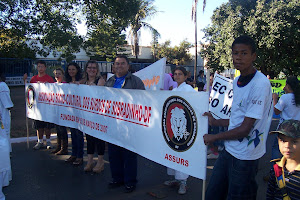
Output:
x=221 y=97
x=152 y=76
x=277 y=86
x=145 y=122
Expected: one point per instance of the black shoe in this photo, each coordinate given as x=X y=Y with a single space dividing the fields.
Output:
x=114 y=184
x=129 y=189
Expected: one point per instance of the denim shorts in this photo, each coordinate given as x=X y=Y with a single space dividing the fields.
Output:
x=232 y=178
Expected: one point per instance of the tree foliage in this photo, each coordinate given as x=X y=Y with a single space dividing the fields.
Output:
x=273 y=24
x=106 y=21
x=51 y=23
x=145 y=10
x=177 y=55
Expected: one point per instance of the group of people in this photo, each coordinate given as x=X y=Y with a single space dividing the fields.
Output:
x=235 y=169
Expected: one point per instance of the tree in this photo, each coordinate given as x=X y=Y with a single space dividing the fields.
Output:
x=273 y=24
x=145 y=10
x=154 y=43
x=177 y=55
x=29 y=22
x=106 y=21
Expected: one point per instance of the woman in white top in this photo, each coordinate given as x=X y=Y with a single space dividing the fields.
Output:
x=288 y=107
x=180 y=76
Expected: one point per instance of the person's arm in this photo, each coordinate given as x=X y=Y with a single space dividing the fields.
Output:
x=101 y=82
x=272 y=185
x=216 y=122
x=233 y=134
x=25 y=78
x=275 y=100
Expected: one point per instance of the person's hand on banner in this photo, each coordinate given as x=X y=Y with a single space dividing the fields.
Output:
x=209 y=139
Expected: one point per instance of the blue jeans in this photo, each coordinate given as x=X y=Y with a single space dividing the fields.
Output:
x=77 y=143
x=232 y=179
x=123 y=165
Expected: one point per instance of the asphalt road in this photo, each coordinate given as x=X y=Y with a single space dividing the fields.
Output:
x=39 y=175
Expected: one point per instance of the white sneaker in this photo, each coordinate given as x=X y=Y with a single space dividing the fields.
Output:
x=171 y=183
x=49 y=145
x=38 y=145
x=212 y=156
x=182 y=188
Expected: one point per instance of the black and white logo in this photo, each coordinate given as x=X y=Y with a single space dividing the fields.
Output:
x=179 y=123
x=30 y=96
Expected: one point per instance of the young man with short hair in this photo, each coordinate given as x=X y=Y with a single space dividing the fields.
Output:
x=42 y=127
x=245 y=141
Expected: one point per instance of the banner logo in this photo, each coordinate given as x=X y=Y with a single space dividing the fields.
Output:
x=30 y=96
x=179 y=124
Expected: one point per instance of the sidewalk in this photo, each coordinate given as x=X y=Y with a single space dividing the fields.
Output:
x=42 y=176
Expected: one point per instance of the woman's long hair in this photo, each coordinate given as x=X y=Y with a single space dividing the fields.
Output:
x=293 y=82
x=78 y=75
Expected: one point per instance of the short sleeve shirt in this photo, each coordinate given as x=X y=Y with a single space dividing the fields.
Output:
x=288 y=108
x=254 y=100
x=43 y=79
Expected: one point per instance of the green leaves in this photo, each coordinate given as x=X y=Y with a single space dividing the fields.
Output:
x=177 y=55
x=273 y=24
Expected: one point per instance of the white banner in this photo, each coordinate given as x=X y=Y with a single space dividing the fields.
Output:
x=163 y=126
x=152 y=76
x=221 y=97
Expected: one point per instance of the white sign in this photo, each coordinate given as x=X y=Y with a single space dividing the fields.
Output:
x=221 y=96
x=145 y=122
x=153 y=75
x=16 y=80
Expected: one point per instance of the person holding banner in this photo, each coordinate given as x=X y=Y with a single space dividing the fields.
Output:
x=41 y=126
x=62 y=134
x=180 y=76
x=5 y=105
x=288 y=106
x=123 y=163
x=73 y=76
x=234 y=172
x=92 y=77
x=5 y=146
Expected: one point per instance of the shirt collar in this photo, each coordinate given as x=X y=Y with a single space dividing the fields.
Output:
x=282 y=162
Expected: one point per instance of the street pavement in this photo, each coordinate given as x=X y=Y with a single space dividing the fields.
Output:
x=39 y=175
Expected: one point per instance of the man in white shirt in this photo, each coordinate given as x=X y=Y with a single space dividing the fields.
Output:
x=245 y=141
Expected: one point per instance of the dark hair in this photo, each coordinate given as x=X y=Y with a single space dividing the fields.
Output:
x=181 y=69
x=78 y=75
x=293 y=82
x=41 y=62
x=245 y=39
x=121 y=56
x=200 y=85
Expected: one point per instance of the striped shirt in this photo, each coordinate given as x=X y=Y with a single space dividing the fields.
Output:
x=292 y=181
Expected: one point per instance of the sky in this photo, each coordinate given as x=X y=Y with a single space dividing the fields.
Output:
x=174 y=23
